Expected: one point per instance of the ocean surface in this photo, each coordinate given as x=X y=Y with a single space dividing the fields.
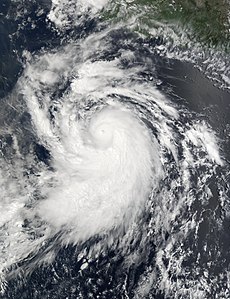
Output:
x=114 y=151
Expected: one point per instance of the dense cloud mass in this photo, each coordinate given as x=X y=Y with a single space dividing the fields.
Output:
x=112 y=185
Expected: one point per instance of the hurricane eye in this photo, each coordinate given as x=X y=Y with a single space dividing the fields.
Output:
x=102 y=134
x=114 y=149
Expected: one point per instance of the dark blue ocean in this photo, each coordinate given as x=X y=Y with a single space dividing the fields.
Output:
x=115 y=151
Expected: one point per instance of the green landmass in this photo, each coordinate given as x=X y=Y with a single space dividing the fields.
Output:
x=207 y=21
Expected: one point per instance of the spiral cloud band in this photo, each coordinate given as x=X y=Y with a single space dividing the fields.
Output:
x=116 y=168
x=111 y=178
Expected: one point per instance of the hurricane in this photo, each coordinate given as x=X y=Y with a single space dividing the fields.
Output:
x=112 y=184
